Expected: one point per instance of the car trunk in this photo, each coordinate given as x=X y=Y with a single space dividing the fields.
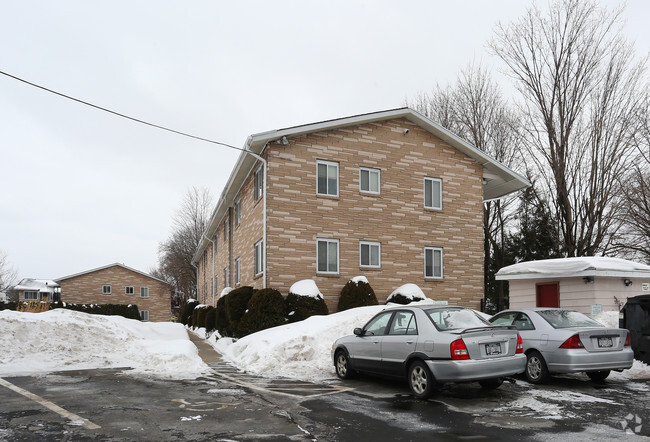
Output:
x=489 y=342
x=601 y=339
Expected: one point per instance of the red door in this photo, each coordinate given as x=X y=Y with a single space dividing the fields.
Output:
x=548 y=295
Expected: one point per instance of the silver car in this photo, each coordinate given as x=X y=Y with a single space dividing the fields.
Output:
x=430 y=345
x=565 y=341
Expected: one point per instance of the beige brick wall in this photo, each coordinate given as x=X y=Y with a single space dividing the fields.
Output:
x=87 y=289
x=396 y=218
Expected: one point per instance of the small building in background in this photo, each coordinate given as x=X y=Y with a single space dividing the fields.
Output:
x=586 y=284
x=30 y=289
x=119 y=284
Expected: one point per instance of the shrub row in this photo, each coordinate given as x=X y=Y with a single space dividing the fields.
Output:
x=128 y=311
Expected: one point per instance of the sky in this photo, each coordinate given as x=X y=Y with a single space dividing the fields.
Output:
x=83 y=188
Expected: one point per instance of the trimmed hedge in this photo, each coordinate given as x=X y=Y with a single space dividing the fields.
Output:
x=186 y=314
x=11 y=305
x=236 y=303
x=356 y=295
x=266 y=309
x=128 y=311
x=302 y=307
x=211 y=320
x=222 y=323
x=199 y=314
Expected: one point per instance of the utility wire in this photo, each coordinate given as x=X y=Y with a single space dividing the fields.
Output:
x=122 y=115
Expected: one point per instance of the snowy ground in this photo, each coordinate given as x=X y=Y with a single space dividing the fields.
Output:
x=37 y=343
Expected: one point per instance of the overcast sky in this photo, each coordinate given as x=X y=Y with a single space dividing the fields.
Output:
x=82 y=188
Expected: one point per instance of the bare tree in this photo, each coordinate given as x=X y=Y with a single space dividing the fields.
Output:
x=474 y=109
x=8 y=274
x=582 y=94
x=635 y=240
x=175 y=254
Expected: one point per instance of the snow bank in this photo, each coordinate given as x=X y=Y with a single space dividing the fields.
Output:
x=300 y=350
x=36 y=343
x=306 y=287
x=608 y=319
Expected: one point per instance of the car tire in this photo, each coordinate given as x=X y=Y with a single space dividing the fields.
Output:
x=536 y=370
x=421 y=380
x=491 y=384
x=598 y=376
x=342 y=365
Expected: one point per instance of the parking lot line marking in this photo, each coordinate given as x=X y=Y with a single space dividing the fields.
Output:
x=51 y=405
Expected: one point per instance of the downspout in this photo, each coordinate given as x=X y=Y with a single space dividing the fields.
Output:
x=264 y=164
x=197 y=280
x=212 y=280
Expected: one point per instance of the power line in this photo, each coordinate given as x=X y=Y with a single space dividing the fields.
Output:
x=121 y=115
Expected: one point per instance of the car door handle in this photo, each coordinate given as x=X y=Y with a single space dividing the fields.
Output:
x=409 y=342
x=375 y=342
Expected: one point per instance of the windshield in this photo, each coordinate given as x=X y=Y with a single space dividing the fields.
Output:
x=567 y=319
x=456 y=318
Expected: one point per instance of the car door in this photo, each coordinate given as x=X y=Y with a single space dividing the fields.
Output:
x=365 y=351
x=399 y=343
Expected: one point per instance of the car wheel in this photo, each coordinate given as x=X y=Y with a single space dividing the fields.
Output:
x=598 y=376
x=491 y=384
x=421 y=381
x=342 y=365
x=536 y=370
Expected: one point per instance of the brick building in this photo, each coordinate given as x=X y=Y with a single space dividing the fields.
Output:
x=389 y=195
x=119 y=284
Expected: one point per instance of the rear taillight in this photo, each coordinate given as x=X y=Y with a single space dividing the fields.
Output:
x=628 y=340
x=520 y=344
x=573 y=342
x=458 y=350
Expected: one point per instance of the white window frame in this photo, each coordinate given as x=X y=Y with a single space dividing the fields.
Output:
x=370 y=171
x=258 y=183
x=106 y=289
x=328 y=164
x=129 y=290
x=431 y=181
x=33 y=295
x=442 y=266
x=328 y=241
x=144 y=292
x=259 y=257
x=144 y=315
x=237 y=212
x=370 y=245
x=238 y=271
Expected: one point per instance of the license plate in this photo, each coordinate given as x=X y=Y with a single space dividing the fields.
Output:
x=493 y=349
x=605 y=342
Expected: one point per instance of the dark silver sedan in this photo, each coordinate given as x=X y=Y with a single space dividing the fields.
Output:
x=429 y=345
x=565 y=341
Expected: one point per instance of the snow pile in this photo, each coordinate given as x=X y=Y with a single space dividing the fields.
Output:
x=306 y=287
x=35 y=343
x=225 y=291
x=608 y=319
x=409 y=291
x=358 y=279
x=300 y=350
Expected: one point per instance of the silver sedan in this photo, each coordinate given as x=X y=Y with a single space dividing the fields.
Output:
x=565 y=341
x=429 y=345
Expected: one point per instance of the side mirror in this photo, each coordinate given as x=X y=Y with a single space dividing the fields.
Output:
x=358 y=331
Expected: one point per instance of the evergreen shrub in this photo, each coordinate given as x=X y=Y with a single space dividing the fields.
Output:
x=266 y=309
x=356 y=294
x=236 y=304
x=211 y=320
x=300 y=307
x=186 y=314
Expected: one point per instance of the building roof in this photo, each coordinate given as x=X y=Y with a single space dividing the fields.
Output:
x=37 y=285
x=574 y=267
x=106 y=267
x=499 y=180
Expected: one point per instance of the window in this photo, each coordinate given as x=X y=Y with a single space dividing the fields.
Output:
x=106 y=289
x=225 y=229
x=216 y=284
x=433 y=193
x=259 y=183
x=128 y=290
x=237 y=271
x=369 y=180
x=259 y=257
x=432 y=262
x=237 y=212
x=144 y=315
x=403 y=324
x=327 y=256
x=377 y=326
x=144 y=292
x=32 y=296
x=327 y=178
x=369 y=253
x=225 y=277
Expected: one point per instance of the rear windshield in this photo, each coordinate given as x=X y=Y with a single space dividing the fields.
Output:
x=567 y=319
x=456 y=318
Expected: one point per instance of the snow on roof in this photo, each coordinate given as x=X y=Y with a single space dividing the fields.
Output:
x=109 y=266
x=574 y=267
x=306 y=287
x=37 y=285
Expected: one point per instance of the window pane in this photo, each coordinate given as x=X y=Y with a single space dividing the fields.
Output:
x=332 y=257
x=374 y=181
x=322 y=256
x=437 y=263
x=365 y=180
x=322 y=179
x=332 y=178
x=374 y=255
x=428 y=262
x=437 y=196
x=428 y=199
x=365 y=254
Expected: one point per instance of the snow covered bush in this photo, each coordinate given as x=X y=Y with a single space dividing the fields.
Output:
x=265 y=310
x=235 y=305
x=356 y=293
x=186 y=314
x=129 y=311
x=199 y=314
x=406 y=294
x=305 y=300
x=211 y=320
